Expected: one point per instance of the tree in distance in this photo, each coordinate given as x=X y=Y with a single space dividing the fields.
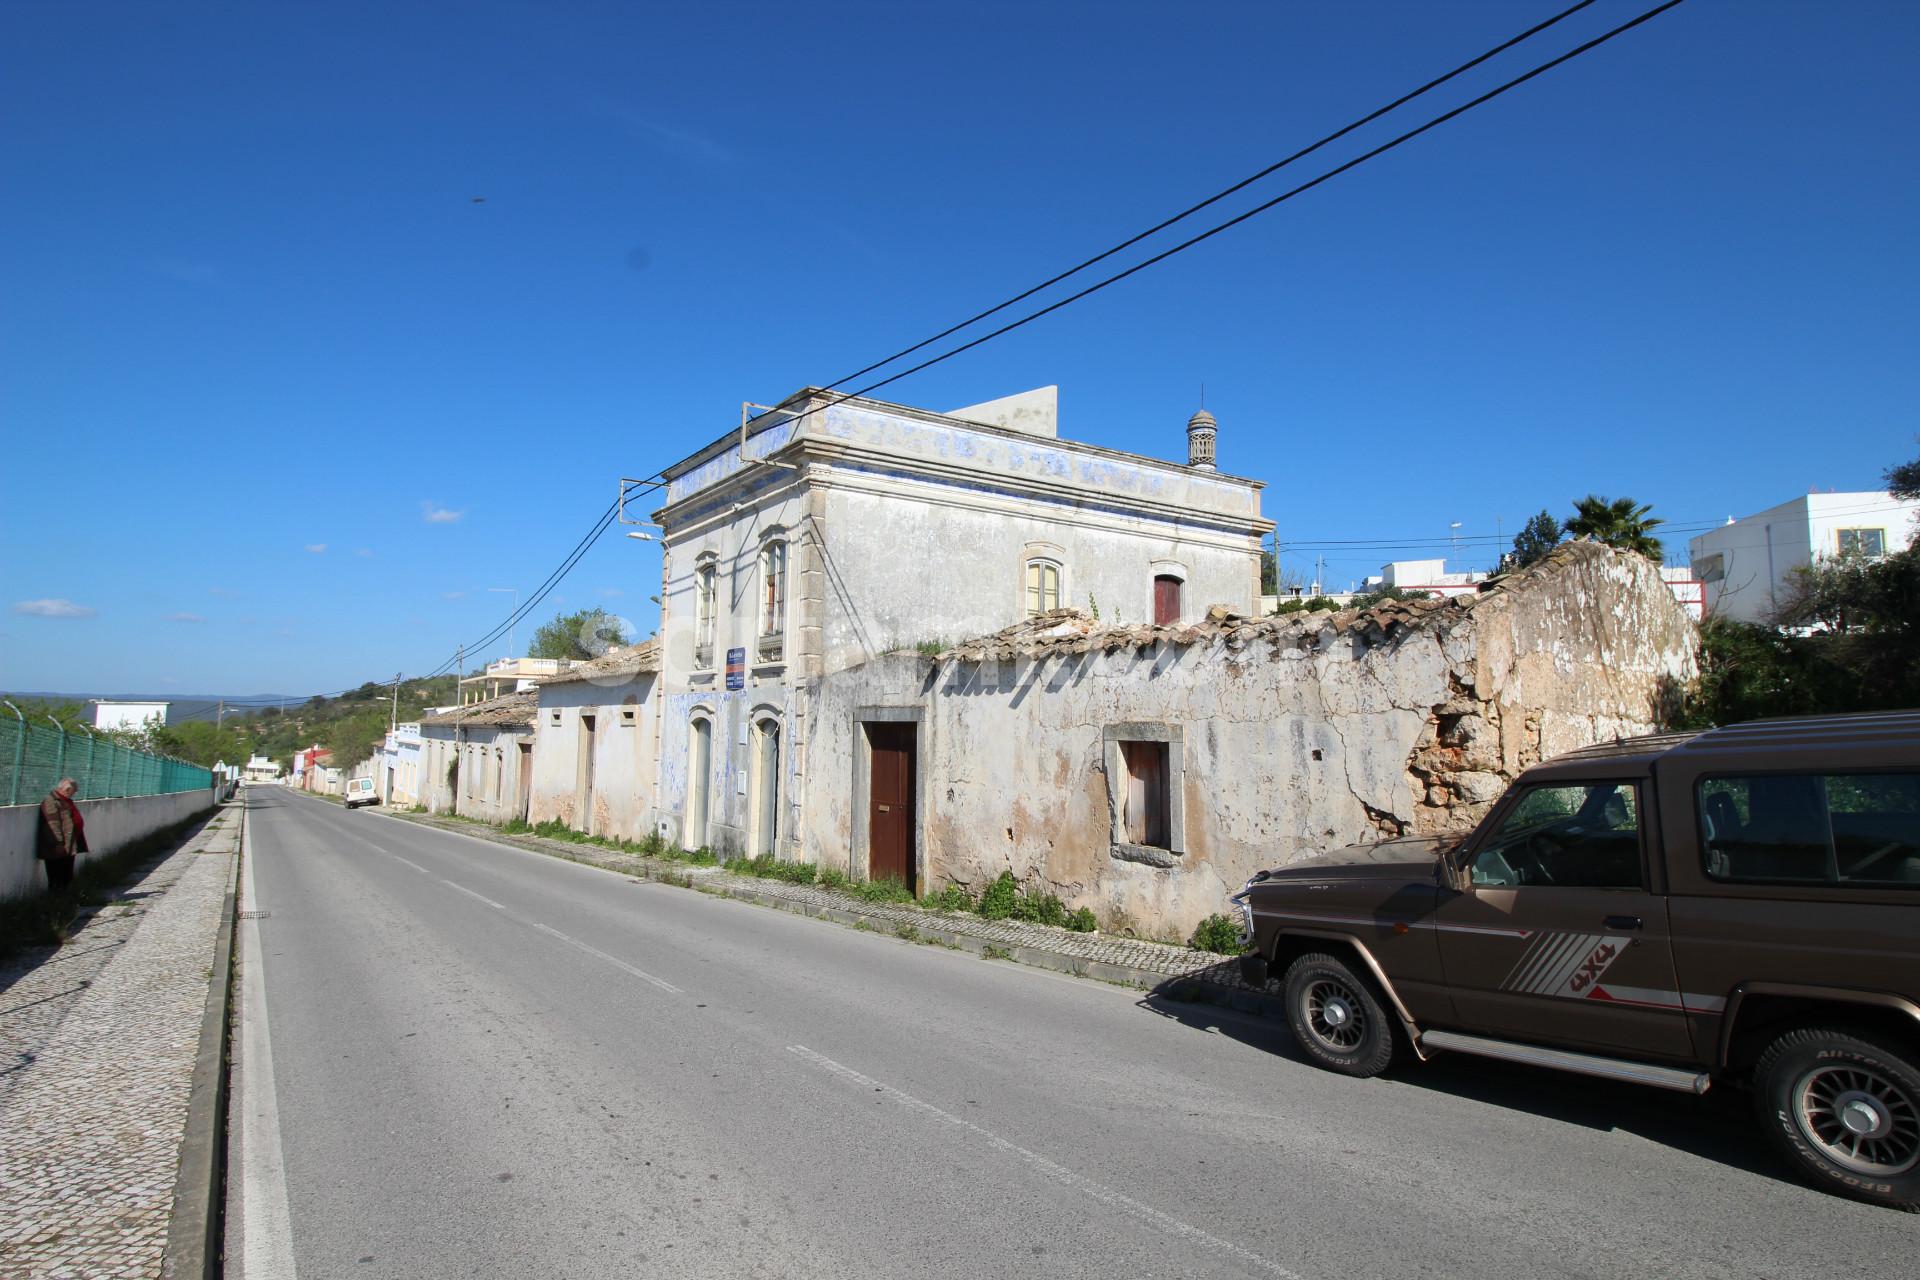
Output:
x=581 y=635
x=1538 y=536
x=1621 y=523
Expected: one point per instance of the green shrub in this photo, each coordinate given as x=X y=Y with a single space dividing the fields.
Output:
x=833 y=878
x=951 y=898
x=1000 y=898
x=1218 y=934
x=515 y=827
x=1082 y=921
x=701 y=857
x=881 y=891
x=794 y=872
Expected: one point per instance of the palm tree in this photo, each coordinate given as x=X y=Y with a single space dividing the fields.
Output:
x=1621 y=523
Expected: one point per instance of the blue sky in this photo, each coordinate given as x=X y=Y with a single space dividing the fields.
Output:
x=252 y=310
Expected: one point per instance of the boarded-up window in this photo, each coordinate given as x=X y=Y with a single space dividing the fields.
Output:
x=1166 y=600
x=1145 y=812
x=773 y=588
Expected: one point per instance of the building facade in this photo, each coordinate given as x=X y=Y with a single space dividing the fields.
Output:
x=596 y=740
x=1746 y=566
x=831 y=531
x=477 y=761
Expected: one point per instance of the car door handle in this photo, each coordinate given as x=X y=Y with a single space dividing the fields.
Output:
x=1623 y=922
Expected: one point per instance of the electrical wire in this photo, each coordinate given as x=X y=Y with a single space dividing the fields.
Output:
x=1218 y=196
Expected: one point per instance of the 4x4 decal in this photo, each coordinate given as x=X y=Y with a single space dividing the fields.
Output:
x=1565 y=964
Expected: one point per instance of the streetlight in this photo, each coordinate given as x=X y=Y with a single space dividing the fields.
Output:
x=512 y=650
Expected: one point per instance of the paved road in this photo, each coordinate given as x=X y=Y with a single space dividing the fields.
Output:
x=490 y=1063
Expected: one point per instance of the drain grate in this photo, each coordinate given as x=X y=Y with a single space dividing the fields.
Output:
x=255 y=915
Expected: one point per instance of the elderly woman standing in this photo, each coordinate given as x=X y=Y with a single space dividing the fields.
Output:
x=63 y=833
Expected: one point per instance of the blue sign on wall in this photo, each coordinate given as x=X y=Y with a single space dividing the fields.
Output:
x=736 y=668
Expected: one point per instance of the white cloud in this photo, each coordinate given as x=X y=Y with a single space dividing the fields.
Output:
x=317 y=548
x=222 y=591
x=54 y=609
x=611 y=592
x=184 y=617
x=452 y=595
x=365 y=553
x=434 y=513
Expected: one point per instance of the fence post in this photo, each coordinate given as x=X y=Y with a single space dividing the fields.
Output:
x=88 y=784
x=19 y=755
x=60 y=756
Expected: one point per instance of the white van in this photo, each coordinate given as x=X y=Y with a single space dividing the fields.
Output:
x=360 y=791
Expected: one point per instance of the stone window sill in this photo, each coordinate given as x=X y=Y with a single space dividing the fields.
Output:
x=1146 y=854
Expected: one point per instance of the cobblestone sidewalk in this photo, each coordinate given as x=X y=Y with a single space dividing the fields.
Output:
x=1125 y=960
x=101 y=1038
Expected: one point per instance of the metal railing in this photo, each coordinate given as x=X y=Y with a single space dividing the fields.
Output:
x=34 y=757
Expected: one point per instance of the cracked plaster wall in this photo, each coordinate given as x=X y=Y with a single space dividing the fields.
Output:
x=1299 y=734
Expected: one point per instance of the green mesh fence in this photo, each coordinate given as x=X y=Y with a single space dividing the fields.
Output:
x=34 y=757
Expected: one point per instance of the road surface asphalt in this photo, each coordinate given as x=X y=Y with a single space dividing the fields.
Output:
x=464 y=1059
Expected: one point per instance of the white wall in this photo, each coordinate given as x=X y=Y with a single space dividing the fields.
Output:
x=1758 y=553
x=111 y=826
x=623 y=755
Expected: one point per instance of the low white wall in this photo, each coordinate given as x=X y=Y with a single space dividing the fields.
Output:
x=111 y=826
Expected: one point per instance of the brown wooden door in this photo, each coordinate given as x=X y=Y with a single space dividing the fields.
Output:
x=890 y=803
x=526 y=779
x=1166 y=600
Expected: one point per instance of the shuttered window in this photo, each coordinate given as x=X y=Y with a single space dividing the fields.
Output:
x=1145 y=811
x=1043 y=586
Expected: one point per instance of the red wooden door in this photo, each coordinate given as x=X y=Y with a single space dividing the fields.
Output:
x=890 y=803
x=1166 y=600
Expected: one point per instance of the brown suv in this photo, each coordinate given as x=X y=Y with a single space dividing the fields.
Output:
x=1738 y=905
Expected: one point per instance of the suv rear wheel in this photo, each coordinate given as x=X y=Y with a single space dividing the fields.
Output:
x=1336 y=1017
x=1846 y=1109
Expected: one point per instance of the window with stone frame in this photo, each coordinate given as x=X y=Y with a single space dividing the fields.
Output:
x=1043 y=586
x=1145 y=765
x=773 y=596
x=705 y=606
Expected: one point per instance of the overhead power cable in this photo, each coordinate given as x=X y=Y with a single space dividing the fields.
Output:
x=1275 y=202
x=1218 y=196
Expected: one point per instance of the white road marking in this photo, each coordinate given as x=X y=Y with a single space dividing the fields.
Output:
x=497 y=906
x=410 y=862
x=266 y=1223
x=1163 y=1222
x=617 y=963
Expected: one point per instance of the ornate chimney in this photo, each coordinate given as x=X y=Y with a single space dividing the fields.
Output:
x=1200 y=432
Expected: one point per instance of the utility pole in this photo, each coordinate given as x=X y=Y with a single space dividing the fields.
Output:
x=220 y=715
x=393 y=724
x=459 y=674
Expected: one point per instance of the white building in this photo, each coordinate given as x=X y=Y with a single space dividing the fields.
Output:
x=509 y=675
x=136 y=716
x=1430 y=576
x=396 y=766
x=595 y=742
x=261 y=769
x=830 y=531
x=1747 y=564
x=477 y=760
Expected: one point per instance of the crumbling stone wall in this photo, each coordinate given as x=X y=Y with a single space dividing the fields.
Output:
x=1292 y=734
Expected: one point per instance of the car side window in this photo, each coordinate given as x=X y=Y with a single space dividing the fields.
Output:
x=1804 y=828
x=1578 y=835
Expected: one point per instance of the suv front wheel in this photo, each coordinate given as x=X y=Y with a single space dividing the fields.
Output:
x=1846 y=1110
x=1336 y=1017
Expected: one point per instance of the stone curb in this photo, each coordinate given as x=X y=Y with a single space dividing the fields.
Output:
x=1185 y=988
x=194 y=1229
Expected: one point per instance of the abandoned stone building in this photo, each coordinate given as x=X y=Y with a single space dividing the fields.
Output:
x=1146 y=771
x=1119 y=733
x=595 y=734
x=829 y=532
x=477 y=760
